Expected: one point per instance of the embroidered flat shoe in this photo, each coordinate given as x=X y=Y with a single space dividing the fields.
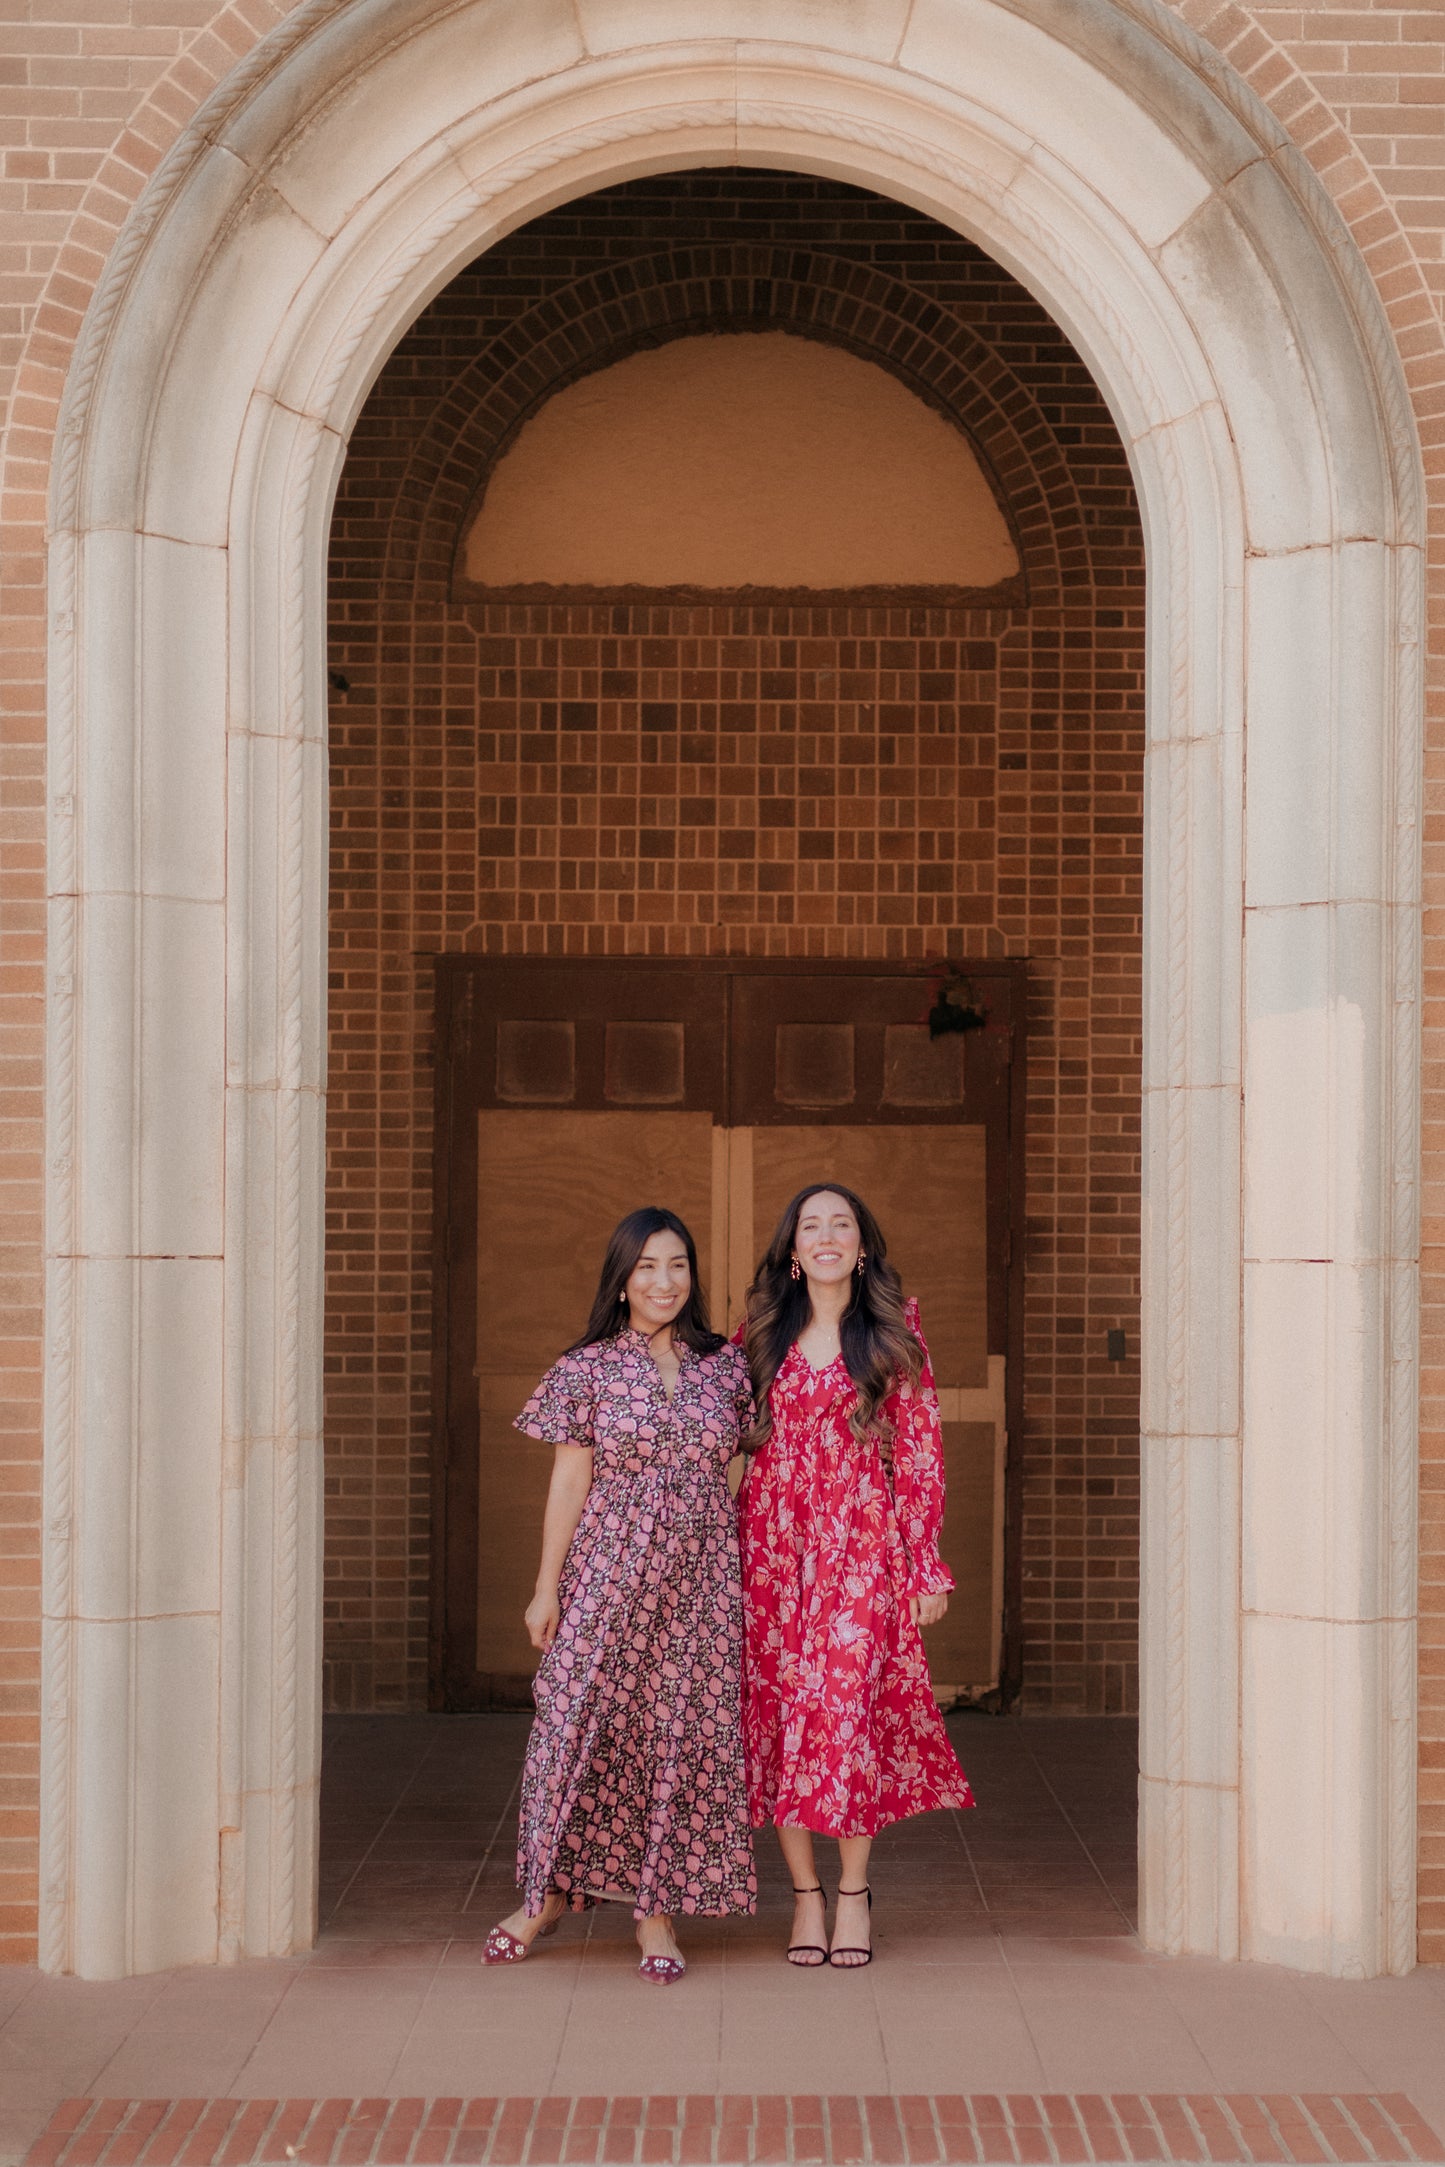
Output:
x=501 y=1947
x=664 y=1969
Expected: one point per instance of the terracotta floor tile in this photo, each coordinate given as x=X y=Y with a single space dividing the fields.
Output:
x=1122 y=2043
x=338 y=1952
x=1258 y=2033
x=997 y=2051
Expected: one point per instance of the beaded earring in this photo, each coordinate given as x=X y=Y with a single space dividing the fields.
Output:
x=795 y=1269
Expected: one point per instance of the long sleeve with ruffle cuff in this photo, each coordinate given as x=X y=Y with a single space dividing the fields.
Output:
x=918 y=1487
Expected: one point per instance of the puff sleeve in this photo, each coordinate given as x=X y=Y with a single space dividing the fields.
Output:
x=918 y=1472
x=563 y=1409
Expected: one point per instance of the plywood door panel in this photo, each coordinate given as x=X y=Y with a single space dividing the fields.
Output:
x=550 y=1189
x=963 y=1651
x=569 y=1091
x=927 y=1187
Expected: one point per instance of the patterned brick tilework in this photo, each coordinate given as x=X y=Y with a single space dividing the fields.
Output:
x=90 y=99
x=784 y=779
x=915 y=2128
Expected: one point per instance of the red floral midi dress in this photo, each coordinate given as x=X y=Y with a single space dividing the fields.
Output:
x=634 y=1782
x=842 y=1732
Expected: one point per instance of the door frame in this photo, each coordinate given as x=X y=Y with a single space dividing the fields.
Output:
x=453 y=1474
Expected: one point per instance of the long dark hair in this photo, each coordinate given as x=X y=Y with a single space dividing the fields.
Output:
x=629 y=1238
x=877 y=1344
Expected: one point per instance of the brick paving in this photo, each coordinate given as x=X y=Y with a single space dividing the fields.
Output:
x=919 y=2127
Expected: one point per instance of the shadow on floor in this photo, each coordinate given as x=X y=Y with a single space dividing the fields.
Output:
x=418 y=1840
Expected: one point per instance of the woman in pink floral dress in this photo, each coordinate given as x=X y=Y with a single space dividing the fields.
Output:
x=841 y=1511
x=634 y=1786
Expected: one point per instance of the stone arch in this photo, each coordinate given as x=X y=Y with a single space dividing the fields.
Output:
x=678 y=292
x=283 y=246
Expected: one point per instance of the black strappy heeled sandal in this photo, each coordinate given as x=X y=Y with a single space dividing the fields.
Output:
x=806 y=1955
x=855 y=1958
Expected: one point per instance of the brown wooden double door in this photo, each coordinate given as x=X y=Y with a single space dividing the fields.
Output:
x=569 y=1093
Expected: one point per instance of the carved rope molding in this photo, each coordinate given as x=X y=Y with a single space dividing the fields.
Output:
x=290 y=1239
x=166 y=187
x=57 y=1666
x=1402 y=1102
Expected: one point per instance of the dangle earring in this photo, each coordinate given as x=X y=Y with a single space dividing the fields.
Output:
x=795 y=1269
x=862 y=1260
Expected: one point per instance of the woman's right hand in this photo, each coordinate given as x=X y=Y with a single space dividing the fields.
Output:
x=543 y=1616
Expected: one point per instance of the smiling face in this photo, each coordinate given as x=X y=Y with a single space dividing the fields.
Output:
x=658 y=1284
x=826 y=1240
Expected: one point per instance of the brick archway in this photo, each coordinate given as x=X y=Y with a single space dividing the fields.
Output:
x=1030 y=845
x=680 y=292
x=303 y=224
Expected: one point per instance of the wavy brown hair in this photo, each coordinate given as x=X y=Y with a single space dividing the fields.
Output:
x=877 y=1345
x=629 y=1238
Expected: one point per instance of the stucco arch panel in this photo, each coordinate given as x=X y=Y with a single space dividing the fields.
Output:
x=1332 y=1860
x=102 y=1046
x=847 y=28
x=217 y=358
x=458 y=62
x=99 y=821
x=774 y=126
x=1198 y=450
x=1293 y=488
x=1141 y=344
x=1091 y=120
x=1194 y=1771
x=244 y=1692
x=1136 y=56
x=361 y=297
x=183 y=727
x=100 y=482
x=1302 y=1557
x=1306 y=842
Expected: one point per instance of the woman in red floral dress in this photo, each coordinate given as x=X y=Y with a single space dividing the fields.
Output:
x=634 y=1784
x=841 y=1510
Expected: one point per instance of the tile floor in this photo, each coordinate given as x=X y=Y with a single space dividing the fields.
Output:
x=1006 y=1963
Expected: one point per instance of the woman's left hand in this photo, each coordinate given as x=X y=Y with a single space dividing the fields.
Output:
x=927 y=1609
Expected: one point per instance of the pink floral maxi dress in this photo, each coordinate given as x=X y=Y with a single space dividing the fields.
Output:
x=842 y=1732
x=634 y=1781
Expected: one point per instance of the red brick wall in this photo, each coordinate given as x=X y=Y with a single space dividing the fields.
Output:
x=747 y=779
